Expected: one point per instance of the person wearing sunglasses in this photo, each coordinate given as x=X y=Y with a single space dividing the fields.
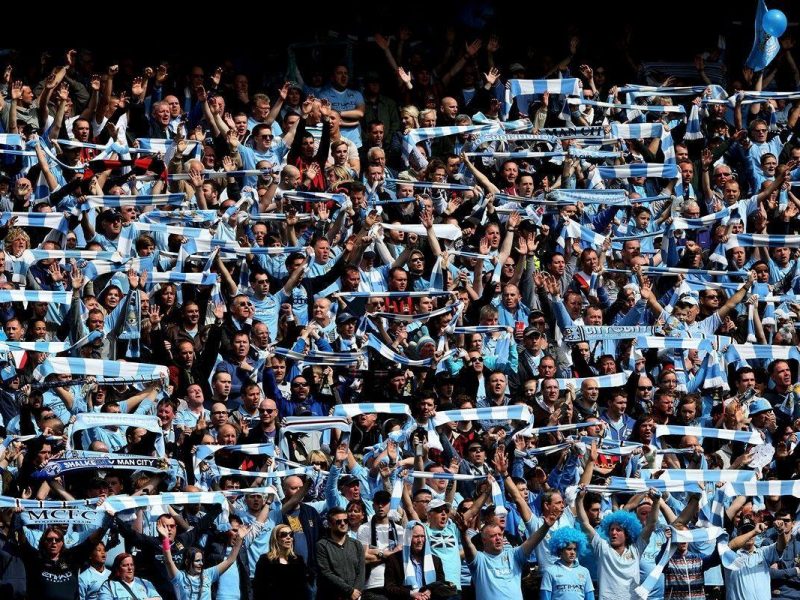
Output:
x=340 y=559
x=281 y=573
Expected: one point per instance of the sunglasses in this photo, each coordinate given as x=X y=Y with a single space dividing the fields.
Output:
x=339 y=521
x=285 y=534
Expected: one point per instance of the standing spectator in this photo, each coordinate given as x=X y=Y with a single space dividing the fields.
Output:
x=342 y=570
x=281 y=573
x=194 y=582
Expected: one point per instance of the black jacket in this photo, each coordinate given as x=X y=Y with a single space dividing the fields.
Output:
x=394 y=577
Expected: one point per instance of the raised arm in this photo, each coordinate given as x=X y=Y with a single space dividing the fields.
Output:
x=470 y=552
x=652 y=518
x=741 y=540
x=580 y=511
x=736 y=298
x=538 y=535
x=169 y=563
x=238 y=538
x=500 y=462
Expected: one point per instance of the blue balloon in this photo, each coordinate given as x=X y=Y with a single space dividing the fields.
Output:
x=774 y=22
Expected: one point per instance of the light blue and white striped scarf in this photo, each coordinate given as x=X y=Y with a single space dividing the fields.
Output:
x=123 y=502
x=55 y=221
x=514 y=412
x=114 y=201
x=320 y=358
x=410 y=571
x=747 y=437
x=365 y=408
x=525 y=88
x=104 y=370
x=762 y=240
x=413 y=137
x=666 y=170
x=35 y=296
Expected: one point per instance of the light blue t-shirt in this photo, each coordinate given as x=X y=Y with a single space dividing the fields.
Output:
x=446 y=544
x=618 y=574
x=752 y=580
x=647 y=562
x=567 y=583
x=89 y=582
x=195 y=587
x=139 y=589
x=228 y=588
x=499 y=576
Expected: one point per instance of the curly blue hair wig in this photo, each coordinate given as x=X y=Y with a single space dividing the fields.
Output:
x=565 y=536
x=624 y=519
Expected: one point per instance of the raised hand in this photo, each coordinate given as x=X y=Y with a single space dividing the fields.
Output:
x=133 y=279
x=62 y=93
x=381 y=41
x=16 y=90
x=500 y=461
x=472 y=49
x=284 y=91
x=228 y=164
x=491 y=76
x=325 y=108
x=706 y=158
x=233 y=139
x=493 y=44
x=404 y=76
x=216 y=78
x=137 y=87
x=308 y=105
x=196 y=176
x=154 y=315
x=56 y=275
x=161 y=74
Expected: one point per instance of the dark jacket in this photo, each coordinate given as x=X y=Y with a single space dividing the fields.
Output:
x=274 y=580
x=311 y=523
x=13 y=578
x=394 y=577
x=341 y=568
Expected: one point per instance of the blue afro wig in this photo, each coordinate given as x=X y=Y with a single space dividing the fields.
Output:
x=561 y=538
x=624 y=519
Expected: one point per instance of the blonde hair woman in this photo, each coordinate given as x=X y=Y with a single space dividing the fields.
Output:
x=17 y=241
x=281 y=573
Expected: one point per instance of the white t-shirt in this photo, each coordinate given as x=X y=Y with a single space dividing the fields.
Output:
x=618 y=574
x=375 y=579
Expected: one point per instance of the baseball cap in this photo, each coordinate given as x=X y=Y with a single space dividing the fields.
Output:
x=436 y=504
x=345 y=317
x=758 y=406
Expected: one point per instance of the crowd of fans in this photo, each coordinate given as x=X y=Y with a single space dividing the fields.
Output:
x=433 y=335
